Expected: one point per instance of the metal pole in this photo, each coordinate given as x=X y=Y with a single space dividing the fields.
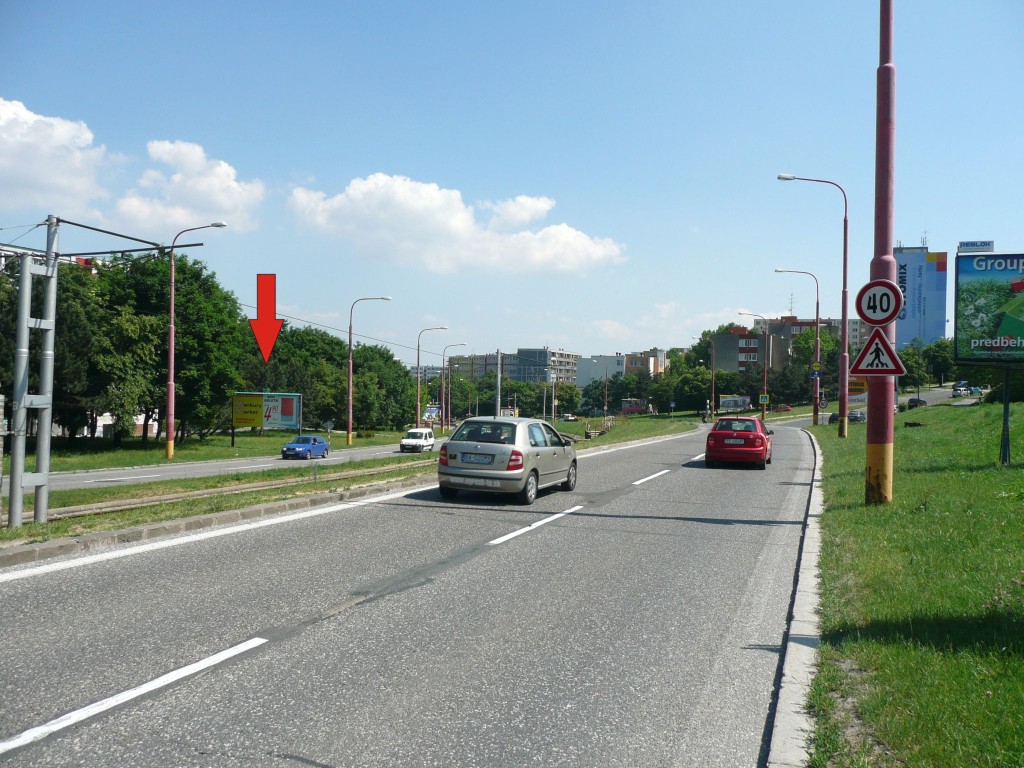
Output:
x=878 y=483
x=1004 y=447
x=44 y=417
x=19 y=407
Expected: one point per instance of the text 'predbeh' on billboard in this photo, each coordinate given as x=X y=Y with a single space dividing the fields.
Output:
x=989 y=315
x=266 y=410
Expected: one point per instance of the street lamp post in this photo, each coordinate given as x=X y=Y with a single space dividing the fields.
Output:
x=844 y=342
x=348 y=426
x=434 y=328
x=711 y=403
x=817 y=337
x=170 y=342
x=765 y=360
x=446 y=412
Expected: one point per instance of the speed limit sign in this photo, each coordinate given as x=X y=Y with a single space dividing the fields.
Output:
x=879 y=302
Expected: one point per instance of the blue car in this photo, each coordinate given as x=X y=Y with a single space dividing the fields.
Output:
x=305 y=447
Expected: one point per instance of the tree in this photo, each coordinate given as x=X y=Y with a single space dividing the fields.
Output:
x=125 y=354
x=938 y=356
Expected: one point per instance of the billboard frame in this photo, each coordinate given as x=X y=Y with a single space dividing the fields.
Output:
x=988 y=310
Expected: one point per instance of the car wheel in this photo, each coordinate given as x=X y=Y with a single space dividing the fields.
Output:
x=769 y=458
x=447 y=493
x=529 y=493
x=570 y=479
x=709 y=463
x=763 y=464
x=325 y=453
x=309 y=454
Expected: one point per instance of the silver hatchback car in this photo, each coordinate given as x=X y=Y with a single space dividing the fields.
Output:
x=505 y=455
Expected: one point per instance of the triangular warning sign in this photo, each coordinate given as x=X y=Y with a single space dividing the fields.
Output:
x=878 y=358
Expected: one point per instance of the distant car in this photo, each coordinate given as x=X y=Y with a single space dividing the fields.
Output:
x=305 y=447
x=417 y=441
x=916 y=402
x=782 y=408
x=975 y=391
x=739 y=439
x=961 y=391
x=501 y=454
x=860 y=415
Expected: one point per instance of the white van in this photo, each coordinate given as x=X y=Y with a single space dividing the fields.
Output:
x=417 y=441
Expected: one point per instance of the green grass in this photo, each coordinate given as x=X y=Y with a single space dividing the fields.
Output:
x=922 y=607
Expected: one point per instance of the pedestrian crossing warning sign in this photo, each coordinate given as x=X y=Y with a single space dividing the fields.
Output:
x=878 y=358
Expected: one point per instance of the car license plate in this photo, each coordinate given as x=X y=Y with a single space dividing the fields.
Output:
x=477 y=458
x=734 y=441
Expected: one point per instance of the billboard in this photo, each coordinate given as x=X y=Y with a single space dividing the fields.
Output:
x=921 y=277
x=266 y=410
x=988 y=327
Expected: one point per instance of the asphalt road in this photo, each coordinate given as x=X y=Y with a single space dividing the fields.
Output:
x=641 y=627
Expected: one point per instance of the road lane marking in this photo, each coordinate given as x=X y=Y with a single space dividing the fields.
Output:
x=120 y=479
x=656 y=474
x=66 y=721
x=214 y=533
x=538 y=524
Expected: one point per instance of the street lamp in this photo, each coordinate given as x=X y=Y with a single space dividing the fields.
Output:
x=348 y=427
x=844 y=343
x=446 y=412
x=434 y=328
x=817 y=338
x=765 y=360
x=170 y=342
x=711 y=403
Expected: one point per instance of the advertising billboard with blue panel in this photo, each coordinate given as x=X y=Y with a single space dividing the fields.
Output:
x=989 y=314
x=921 y=277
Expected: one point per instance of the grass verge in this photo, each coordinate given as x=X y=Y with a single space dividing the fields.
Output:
x=922 y=606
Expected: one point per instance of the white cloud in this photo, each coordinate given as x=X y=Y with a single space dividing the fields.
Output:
x=47 y=163
x=198 y=189
x=612 y=330
x=518 y=212
x=397 y=218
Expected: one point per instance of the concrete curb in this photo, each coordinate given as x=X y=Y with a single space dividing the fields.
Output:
x=794 y=726
x=19 y=554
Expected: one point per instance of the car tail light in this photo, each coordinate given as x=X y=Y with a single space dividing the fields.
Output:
x=515 y=460
x=442 y=457
x=758 y=441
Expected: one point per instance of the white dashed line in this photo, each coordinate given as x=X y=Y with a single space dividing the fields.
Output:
x=65 y=721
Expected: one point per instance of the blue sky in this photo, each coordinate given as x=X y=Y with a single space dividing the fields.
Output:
x=592 y=176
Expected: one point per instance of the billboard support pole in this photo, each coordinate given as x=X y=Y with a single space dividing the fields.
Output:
x=1004 y=448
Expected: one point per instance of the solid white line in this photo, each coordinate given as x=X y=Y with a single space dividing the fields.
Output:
x=121 y=479
x=539 y=523
x=65 y=721
x=213 y=533
x=656 y=474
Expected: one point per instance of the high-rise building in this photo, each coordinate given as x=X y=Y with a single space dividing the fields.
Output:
x=921 y=277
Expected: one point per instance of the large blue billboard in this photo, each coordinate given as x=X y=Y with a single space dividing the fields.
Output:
x=922 y=278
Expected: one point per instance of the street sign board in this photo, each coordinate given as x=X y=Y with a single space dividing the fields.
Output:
x=878 y=358
x=879 y=302
x=763 y=399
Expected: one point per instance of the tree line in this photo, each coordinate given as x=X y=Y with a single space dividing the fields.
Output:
x=110 y=356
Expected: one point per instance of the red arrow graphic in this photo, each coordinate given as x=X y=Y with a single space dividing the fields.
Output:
x=266 y=326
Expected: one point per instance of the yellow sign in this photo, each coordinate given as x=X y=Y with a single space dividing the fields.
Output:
x=857 y=386
x=247 y=411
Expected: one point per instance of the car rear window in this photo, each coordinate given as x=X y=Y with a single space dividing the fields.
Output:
x=486 y=432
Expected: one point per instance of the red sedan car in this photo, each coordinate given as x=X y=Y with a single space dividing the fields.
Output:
x=739 y=439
